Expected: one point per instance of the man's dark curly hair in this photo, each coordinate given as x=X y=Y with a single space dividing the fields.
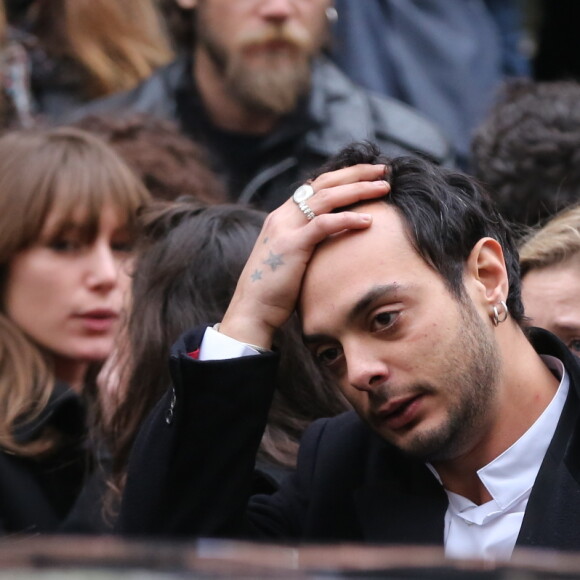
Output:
x=527 y=151
x=445 y=213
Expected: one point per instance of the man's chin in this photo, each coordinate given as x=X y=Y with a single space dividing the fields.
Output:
x=422 y=444
x=271 y=85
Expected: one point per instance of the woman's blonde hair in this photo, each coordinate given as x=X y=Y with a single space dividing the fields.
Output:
x=117 y=42
x=556 y=242
x=65 y=173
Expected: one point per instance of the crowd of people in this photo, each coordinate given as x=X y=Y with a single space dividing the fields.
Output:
x=295 y=270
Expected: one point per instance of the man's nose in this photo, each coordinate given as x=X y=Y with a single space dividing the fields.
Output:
x=366 y=370
x=277 y=10
x=103 y=267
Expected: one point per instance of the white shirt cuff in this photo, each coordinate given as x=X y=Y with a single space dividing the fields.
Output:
x=218 y=346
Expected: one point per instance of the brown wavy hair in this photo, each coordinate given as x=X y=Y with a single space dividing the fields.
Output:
x=42 y=172
x=168 y=162
x=187 y=266
x=117 y=43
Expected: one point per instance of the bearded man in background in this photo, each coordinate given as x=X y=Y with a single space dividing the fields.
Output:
x=254 y=87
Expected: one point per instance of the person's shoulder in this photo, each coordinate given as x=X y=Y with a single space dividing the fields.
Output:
x=546 y=343
x=347 y=431
x=397 y=128
x=399 y=123
x=155 y=95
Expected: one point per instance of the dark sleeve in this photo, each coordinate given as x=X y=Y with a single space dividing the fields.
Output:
x=284 y=515
x=192 y=466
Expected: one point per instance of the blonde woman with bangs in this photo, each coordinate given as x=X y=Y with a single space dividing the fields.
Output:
x=63 y=53
x=550 y=269
x=68 y=207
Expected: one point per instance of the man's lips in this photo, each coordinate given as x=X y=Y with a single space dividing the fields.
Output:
x=399 y=413
x=271 y=45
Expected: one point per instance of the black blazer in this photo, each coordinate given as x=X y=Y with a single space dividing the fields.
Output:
x=191 y=469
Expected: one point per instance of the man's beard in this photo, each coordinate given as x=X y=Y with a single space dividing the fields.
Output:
x=264 y=78
x=471 y=370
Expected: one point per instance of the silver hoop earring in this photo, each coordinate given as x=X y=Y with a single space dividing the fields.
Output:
x=331 y=14
x=498 y=317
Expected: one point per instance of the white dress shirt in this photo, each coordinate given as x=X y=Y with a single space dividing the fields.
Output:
x=488 y=531
x=218 y=346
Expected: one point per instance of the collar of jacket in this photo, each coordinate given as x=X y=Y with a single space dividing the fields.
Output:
x=553 y=510
x=403 y=503
x=345 y=112
x=65 y=411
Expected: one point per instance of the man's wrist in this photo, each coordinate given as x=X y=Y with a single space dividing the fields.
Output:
x=260 y=349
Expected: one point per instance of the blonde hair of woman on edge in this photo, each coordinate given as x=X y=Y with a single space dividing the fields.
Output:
x=550 y=268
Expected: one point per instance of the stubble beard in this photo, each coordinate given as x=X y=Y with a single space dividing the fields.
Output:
x=471 y=370
x=265 y=82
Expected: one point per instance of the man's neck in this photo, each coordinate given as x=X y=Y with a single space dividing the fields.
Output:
x=526 y=388
x=223 y=109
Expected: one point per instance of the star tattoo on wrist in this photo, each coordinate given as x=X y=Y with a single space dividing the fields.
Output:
x=274 y=260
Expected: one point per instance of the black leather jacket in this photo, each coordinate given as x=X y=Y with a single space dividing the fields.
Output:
x=338 y=112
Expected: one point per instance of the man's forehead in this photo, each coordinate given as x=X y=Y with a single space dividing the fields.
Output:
x=381 y=254
x=386 y=223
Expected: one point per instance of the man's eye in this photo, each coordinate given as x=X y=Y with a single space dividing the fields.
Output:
x=327 y=356
x=574 y=346
x=384 y=320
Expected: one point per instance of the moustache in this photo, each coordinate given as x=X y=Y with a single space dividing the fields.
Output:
x=287 y=34
x=384 y=393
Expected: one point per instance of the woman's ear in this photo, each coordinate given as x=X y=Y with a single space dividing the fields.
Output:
x=486 y=271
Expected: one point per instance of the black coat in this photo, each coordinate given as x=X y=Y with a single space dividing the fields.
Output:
x=60 y=492
x=190 y=472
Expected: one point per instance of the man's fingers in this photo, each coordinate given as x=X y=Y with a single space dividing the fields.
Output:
x=362 y=172
x=327 y=225
x=328 y=199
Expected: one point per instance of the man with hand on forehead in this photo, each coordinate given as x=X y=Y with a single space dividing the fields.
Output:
x=464 y=430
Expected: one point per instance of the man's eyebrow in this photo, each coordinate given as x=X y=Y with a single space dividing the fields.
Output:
x=566 y=327
x=314 y=338
x=367 y=300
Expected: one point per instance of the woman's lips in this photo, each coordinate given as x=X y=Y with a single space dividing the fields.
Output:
x=100 y=320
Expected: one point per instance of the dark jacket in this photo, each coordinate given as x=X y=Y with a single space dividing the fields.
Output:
x=51 y=494
x=190 y=472
x=335 y=114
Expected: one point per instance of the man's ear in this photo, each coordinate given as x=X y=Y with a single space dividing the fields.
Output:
x=486 y=271
x=186 y=4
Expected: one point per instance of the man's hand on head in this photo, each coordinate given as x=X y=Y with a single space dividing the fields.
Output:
x=270 y=283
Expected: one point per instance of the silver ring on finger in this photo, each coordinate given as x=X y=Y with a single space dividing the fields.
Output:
x=300 y=197
x=307 y=210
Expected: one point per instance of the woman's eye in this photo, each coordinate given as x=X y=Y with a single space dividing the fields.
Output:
x=65 y=245
x=384 y=320
x=328 y=356
x=574 y=345
x=125 y=247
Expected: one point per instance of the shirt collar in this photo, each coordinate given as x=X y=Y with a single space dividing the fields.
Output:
x=512 y=474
